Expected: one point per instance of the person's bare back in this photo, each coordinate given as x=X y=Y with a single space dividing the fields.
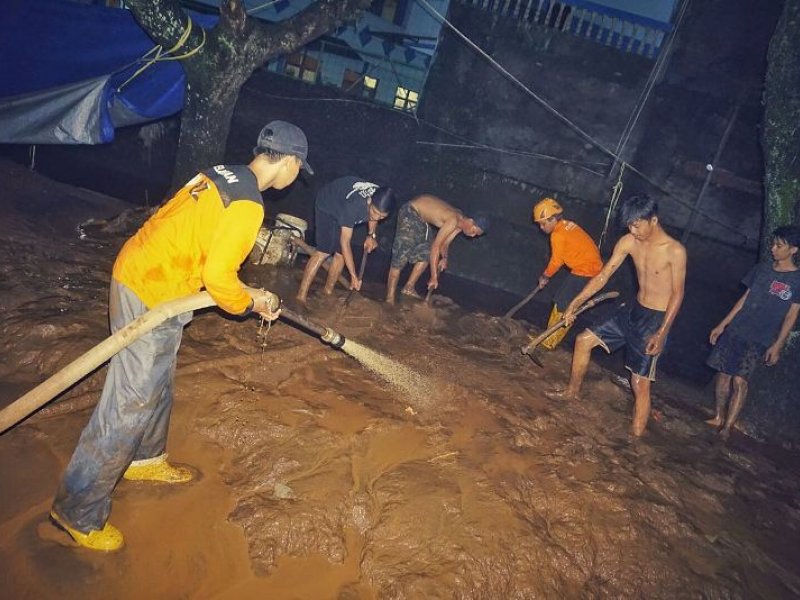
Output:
x=435 y=211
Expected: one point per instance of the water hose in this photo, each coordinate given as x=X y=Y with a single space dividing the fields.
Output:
x=326 y=334
x=88 y=362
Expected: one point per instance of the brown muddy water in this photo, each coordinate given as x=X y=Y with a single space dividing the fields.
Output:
x=449 y=475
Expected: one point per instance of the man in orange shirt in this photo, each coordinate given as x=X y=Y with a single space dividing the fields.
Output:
x=197 y=239
x=570 y=245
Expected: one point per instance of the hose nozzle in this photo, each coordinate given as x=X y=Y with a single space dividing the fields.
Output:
x=333 y=338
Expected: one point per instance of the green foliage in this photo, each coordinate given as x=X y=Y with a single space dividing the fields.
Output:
x=781 y=135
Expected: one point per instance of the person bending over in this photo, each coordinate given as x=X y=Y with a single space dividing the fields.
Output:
x=340 y=206
x=197 y=239
x=412 y=240
x=570 y=245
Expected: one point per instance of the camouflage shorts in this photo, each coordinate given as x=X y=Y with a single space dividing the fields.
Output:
x=411 y=238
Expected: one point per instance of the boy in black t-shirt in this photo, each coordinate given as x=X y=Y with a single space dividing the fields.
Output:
x=756 y=327
x=340 y=206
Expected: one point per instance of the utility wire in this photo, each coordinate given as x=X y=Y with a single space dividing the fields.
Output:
x=468 y=143
x=655 y=74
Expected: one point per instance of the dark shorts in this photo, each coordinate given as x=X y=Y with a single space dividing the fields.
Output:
x=569 y=288
x=631 y=325
x=327 y=232
x=734 y=355
x=411 y=238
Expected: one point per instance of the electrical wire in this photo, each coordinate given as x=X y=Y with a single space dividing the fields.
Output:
x=655 y=74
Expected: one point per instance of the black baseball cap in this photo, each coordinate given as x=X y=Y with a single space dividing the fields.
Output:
x=284 y=138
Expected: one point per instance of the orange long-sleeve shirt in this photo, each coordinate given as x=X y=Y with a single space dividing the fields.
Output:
x=570 y=245
x=198 y=239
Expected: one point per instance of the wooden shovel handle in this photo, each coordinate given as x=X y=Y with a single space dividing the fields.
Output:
x=513 y=310
x=556 y=326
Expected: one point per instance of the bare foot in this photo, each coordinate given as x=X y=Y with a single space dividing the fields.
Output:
x=715 y=422
x=411 y=293
x=327 y=291
x=724 y=434
x=390 y=301
x=562 y=394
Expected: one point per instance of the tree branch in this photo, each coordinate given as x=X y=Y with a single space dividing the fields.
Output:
x=269 y=40
x=233 y=16
x=164 y=21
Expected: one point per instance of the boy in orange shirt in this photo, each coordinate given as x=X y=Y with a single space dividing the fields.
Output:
x=570 y=245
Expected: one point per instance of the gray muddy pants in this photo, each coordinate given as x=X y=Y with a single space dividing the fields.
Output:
x=131 y=420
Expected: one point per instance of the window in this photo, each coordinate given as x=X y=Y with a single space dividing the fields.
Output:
x=362 y=85
x=370 y=86
x=405 y=99
x=302 y=67
x=389 y=10
x=393 y=11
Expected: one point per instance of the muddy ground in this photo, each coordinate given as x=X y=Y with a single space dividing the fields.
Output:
x=318 y=479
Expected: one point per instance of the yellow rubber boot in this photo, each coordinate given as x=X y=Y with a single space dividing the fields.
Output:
x=554 y=339
x=157 y=469
x=107 y=539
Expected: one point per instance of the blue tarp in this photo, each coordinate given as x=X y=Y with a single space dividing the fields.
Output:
x=61 y=64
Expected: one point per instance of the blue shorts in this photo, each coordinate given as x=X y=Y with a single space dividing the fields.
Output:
x=631 y=325
x=733 y=355
x=327 y=232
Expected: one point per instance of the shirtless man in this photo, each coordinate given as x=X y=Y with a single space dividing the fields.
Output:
x=643 y=326
x=414 y=220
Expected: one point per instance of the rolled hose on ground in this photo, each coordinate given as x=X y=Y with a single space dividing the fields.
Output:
x=88 y=362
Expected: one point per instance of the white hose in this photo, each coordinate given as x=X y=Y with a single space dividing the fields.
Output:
x=88 y=362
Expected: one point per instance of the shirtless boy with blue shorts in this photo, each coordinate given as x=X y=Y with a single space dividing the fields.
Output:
x=642 y=326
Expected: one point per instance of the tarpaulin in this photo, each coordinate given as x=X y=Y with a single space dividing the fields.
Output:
x=61 y=67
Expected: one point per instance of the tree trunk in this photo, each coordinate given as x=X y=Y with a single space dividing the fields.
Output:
x=773 y=409
x=218 y=61
x=206 y=118
x=781 y=135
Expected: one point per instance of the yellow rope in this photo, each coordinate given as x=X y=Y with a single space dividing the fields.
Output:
x=156 y=53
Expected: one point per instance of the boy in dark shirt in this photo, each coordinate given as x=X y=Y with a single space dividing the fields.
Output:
x=756 y=327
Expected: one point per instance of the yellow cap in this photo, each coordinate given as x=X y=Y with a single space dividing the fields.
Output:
x=546 y=208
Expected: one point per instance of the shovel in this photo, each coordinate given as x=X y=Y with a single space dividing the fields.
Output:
x=513 y=310
x=530 y=348
x=361 y=269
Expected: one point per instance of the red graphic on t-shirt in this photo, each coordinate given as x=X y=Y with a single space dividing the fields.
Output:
x=781 y=290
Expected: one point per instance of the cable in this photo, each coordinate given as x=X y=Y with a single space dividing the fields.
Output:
x=616 y=192
x=530 y=92
x=261 y=7
x=572 y=125
x=517 y=153
x=655 y=73
x=469 y=145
